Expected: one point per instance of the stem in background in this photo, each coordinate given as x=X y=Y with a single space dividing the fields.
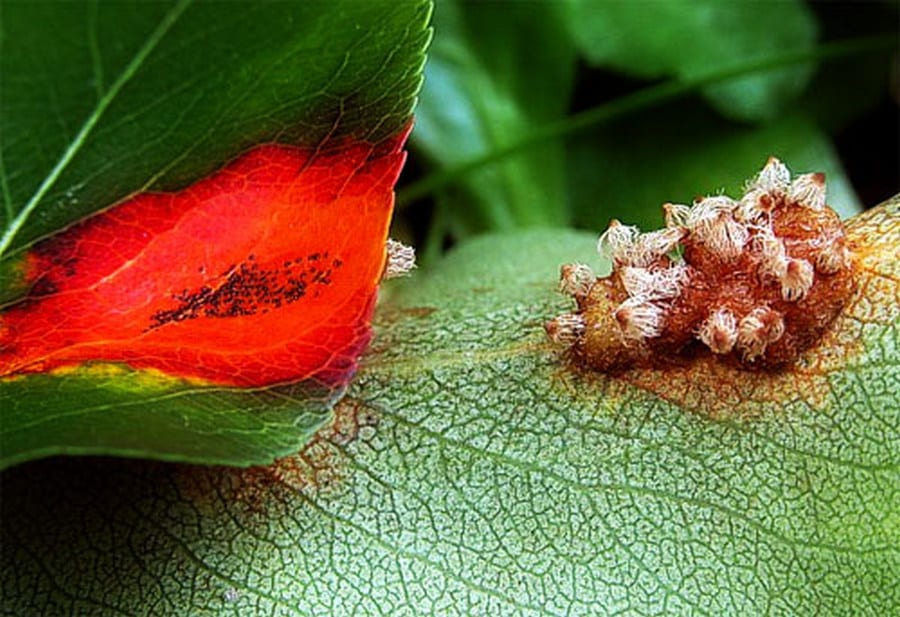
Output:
x=639 y=100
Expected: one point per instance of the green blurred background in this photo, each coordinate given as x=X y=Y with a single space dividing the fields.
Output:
x=570 y=112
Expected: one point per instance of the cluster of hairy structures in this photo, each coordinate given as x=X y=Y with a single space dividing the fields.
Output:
x=755 y=281
x=401 y=260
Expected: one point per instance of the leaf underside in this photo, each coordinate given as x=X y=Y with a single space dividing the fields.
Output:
x=472 y=471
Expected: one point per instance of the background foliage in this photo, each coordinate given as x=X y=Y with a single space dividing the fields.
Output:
x=586 y=94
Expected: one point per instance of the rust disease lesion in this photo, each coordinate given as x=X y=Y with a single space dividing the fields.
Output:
x=750 y=282
x=250 y=288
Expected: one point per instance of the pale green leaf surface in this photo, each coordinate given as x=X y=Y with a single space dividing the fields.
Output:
x=486 y=478
x=687 y=38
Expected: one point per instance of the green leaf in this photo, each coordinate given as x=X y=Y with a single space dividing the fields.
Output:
x=100 y=101
x=623 y=171
x=108 y=409
x=487 y=83
x=688 y=38
x=471 y=471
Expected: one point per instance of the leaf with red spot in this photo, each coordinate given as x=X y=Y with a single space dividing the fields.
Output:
x=471 y=471
x=215 y=298
x=251 y=277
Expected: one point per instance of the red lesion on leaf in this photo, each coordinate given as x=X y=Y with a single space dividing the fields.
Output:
x=265 y=272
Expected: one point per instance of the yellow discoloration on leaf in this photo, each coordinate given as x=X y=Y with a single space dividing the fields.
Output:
x=875 y=240
x=122 y=377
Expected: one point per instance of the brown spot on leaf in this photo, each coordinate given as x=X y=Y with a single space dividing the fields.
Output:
x=249 y=288
x=719 y=390
x=825 y=329
x=419 y=312
x=317 y=470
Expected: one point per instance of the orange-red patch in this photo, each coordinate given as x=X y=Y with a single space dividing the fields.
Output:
x=265 y=272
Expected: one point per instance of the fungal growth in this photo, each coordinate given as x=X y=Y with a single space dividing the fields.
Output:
x=401 y=260
x=754 y=281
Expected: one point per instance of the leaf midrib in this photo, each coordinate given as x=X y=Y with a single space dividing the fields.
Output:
x=92 y=120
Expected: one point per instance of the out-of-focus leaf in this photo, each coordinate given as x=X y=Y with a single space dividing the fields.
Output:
x=495 y=71
x=472 y=472
x=687 y=38
x=844 y=89
x=627 y=170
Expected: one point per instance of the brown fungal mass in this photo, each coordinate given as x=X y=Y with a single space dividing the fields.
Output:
x=758 y=281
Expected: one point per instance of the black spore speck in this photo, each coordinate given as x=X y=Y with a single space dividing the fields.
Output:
x=249 y=288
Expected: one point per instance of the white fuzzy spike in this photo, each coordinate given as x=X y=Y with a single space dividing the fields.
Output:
x=712 y=222
x=709 y=208
x=576 y=279
x=757 y=331
x=617 y=241
x=797 y=280
x=401 y=259
x=676 y=214
x=719 y=331
x=754 y=206
x=651 y=246
x=565 y=329
x=751 y=340
x=639 y=319
x=774 y=178
x=653 y=284
x=808 y=191
x=638 y=282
